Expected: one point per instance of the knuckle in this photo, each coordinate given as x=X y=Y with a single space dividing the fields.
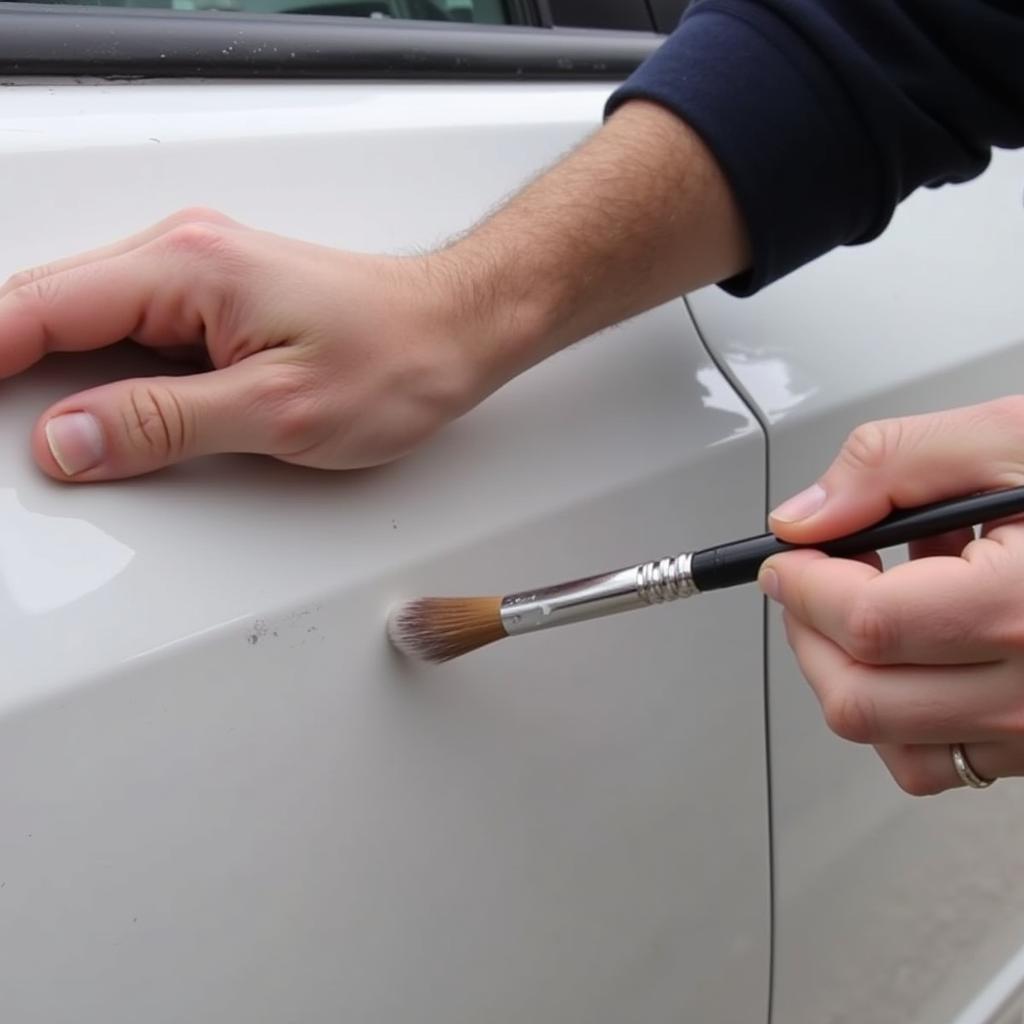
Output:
x=850 y=715
x=869 y=446
x=871 y=634
x=198 y=215
x=156 y=423
x=197 y=240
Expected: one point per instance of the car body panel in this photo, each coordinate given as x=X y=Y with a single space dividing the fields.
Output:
x=224 y=797
x=888 y=908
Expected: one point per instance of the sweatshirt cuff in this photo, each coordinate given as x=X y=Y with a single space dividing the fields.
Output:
x=787 y=138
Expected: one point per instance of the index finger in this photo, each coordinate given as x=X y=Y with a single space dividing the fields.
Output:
x=191 y=215
x=93 y=305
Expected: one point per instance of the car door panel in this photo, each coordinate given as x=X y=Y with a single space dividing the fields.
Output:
x=225 y=798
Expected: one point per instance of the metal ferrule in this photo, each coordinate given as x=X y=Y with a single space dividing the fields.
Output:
x=636 y=587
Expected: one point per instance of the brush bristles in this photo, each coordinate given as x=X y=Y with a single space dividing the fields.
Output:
x=442 y=628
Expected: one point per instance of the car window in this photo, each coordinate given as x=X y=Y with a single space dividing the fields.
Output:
x=481 y=12
x=667 y=13
x=628 y=15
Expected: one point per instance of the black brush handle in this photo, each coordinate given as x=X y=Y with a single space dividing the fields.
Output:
x=728 y=565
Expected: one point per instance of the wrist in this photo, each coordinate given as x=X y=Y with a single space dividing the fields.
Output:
x=505 y=311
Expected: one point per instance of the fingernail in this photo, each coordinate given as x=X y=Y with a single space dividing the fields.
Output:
x=801 y=505
x=768 y=581
x=76 y=441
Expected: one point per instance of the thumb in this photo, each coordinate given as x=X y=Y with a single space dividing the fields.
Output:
x=132 y=427
x=901 y=463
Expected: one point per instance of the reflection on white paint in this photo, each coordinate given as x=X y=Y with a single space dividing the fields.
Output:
x=50 y=561
x=771 y=379
x=716 y=392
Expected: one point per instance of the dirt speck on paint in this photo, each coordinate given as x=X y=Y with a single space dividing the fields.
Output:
x=257 y=633
x=296 y=624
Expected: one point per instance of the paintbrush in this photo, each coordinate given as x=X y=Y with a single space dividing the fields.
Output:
x=442 y=628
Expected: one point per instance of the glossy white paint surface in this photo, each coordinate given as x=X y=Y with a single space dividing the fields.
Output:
x=889 y=909
x=224 y=798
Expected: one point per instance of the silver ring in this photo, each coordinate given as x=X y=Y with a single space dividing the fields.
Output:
x=968 y=776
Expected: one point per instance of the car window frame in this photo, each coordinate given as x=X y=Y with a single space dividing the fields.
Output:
x=140 y=43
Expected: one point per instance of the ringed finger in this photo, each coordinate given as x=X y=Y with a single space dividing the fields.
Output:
x=928 y=769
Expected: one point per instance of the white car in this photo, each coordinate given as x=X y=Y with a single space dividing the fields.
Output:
x=224 y=799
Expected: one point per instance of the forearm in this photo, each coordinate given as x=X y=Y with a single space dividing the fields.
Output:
x=762 y=134
x=638 y=214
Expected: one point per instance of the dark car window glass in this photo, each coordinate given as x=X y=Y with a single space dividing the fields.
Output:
x=667 y=13
x=631 y=15
x=480 y=12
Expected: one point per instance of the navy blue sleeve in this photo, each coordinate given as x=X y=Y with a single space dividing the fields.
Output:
x=825 y=114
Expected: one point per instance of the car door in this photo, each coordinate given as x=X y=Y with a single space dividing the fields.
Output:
x=888 y=908
x=224 y=797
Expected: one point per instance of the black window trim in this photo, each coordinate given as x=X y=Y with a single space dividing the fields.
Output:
x=59 y=40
